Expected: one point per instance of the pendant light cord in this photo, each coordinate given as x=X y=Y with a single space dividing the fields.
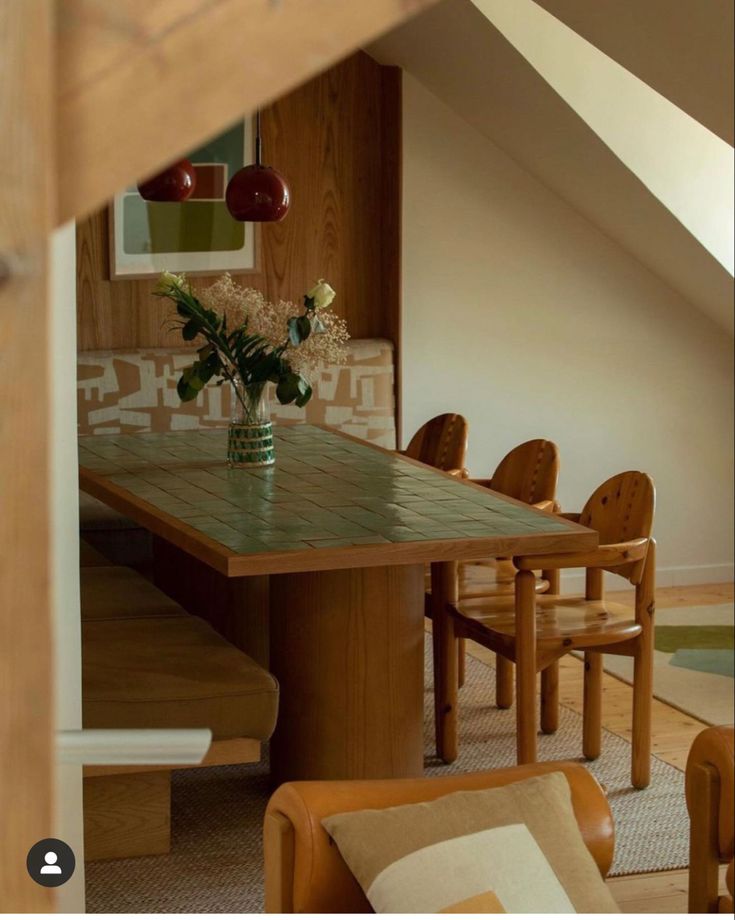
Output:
x=257 y=138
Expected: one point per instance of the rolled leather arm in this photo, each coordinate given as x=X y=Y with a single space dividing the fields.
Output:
x=610 y=554
x=304 y=871
x=710 y=795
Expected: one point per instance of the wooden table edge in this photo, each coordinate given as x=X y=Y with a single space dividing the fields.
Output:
x=574 y=537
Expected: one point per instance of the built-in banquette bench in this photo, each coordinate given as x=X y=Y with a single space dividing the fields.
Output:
x=146 y=663
x=121 y=392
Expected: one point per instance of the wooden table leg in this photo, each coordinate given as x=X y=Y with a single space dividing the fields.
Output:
x=347 y=648
x=444 y=643
x=526 y=666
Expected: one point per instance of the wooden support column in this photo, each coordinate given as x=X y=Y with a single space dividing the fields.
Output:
x=347 y=648
x=26 y=217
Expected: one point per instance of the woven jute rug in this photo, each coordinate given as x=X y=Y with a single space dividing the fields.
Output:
x=215 y=864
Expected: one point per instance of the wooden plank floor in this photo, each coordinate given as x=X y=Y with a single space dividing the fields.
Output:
x=673 y=734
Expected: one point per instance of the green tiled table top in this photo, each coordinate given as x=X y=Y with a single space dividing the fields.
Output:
x=325 y=492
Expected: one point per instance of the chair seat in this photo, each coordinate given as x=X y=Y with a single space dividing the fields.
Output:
x=487 y=578
x=115 y=592
x=96 y=515
x=89 y=556
x=173 y=672
x=572 y=621
x=490 y=578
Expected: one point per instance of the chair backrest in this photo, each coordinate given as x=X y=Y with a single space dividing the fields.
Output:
x=441 y=442
x=622 y=509
x=529 y=472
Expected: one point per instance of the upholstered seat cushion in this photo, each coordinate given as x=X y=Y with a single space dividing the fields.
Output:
x=173 y=672
x=112 y=592
x=96 y=515
x=89 y=556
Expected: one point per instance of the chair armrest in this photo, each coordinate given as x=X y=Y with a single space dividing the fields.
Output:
x=305 y=872
x=459 y=473
x=547 y=505
x=485 y=483
x=610 y=554
x=572 y=516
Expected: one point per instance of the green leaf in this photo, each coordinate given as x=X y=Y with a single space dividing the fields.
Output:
x=288 y=388
x=299 y=329
x=304 y=398
x=191 y=329
x=185 y=390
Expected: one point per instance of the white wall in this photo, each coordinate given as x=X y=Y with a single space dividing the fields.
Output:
x=685 y=165
x=65 y=550
x=520 y=314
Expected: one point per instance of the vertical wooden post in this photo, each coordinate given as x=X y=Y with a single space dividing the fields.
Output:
x=444 y=592
x=26 y=218
x=550 y=699
x=645 y=605
x=526 y=666
x=503 y=682
x=592 y=695
x=704 y=851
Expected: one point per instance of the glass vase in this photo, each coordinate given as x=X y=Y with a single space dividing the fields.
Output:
x=250 y=434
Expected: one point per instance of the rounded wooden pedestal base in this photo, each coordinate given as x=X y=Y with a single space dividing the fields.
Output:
x=347 y=648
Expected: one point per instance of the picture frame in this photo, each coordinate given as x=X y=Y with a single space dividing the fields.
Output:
x=197 y=236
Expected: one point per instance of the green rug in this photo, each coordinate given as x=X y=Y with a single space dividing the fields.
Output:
x=694 y=661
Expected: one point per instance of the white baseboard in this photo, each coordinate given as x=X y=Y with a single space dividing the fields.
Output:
x=675 y=576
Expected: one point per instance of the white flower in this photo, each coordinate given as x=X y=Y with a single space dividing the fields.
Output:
x=322 y=294
x=167 y=281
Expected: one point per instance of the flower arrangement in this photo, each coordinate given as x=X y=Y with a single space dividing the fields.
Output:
x=249 y=341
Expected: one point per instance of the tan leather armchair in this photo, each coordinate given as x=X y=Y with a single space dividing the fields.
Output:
x=710 y=791
x=304 y=872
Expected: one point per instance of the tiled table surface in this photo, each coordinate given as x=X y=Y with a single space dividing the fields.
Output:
x=326 y=491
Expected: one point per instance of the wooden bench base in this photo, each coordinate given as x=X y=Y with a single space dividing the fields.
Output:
x=127 y=809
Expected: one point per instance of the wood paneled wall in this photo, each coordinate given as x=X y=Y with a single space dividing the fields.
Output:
x=337 y=139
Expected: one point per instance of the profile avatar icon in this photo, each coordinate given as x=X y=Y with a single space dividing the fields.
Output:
x=50 y=868
x=50 y=862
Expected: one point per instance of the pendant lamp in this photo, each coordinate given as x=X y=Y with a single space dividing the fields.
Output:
x=256 y=192
x=176 y=183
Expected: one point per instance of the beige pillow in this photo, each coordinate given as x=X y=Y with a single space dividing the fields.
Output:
x=513 y=849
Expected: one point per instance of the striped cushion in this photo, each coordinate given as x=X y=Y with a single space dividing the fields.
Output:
x=513 y=849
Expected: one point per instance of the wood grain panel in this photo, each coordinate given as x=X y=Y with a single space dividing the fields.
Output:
x=26 y=694
x=347 y=651
x=337 y=140
x=128 y=814
x=127 y=68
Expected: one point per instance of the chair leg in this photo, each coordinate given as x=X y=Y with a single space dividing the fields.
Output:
x=550 y=699
x=461 y=652
x=525 y=614
x=553 y=578
x=643 y=673
x=592 y=706
x=443 y=593
x=503 y=682
x=642 y=699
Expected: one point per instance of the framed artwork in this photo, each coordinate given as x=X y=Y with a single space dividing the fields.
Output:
x=197 y=236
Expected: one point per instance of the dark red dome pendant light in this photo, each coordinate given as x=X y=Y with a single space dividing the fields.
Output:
x=258 y=193
x=176 y=183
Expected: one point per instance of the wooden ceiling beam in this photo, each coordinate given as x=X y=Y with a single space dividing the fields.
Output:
x=140 y=82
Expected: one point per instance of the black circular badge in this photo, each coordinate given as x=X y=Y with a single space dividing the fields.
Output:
x=50 y=862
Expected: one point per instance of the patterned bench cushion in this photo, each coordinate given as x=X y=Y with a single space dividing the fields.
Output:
x=128 y=391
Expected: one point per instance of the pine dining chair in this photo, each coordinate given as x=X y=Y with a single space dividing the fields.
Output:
x=622 y=511
x=442 y=443
x=529 y=473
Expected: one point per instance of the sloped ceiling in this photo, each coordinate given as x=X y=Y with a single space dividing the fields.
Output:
x=684 y=49
x=459 y=56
